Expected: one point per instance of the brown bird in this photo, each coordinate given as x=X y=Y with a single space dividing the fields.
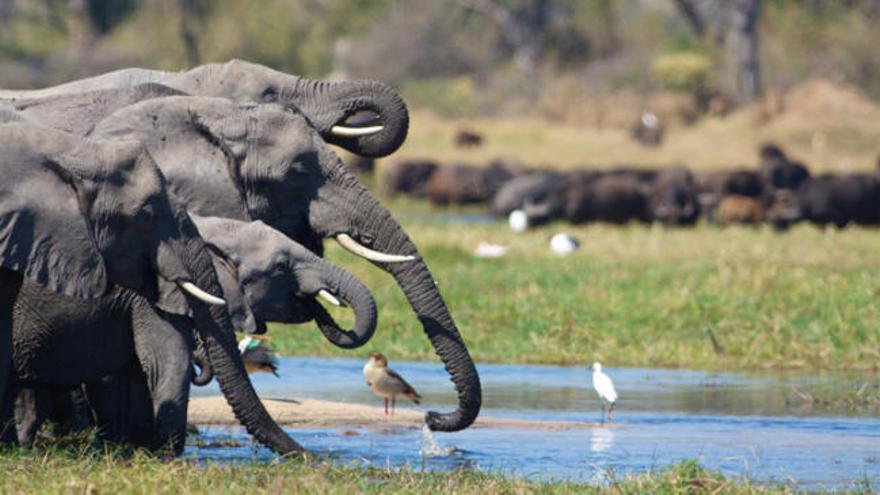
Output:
x=386 y=383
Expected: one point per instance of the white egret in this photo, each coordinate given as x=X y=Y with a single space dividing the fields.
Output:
x=518 y=221
x=605 y=388
x=563 y=244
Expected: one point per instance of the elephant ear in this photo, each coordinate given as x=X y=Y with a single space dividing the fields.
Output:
x=45 y=233
x=173 y=301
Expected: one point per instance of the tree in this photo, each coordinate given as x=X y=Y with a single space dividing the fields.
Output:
x=523 y=27
x=736 y=24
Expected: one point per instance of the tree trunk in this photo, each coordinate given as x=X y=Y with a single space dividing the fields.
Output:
x=742 y=48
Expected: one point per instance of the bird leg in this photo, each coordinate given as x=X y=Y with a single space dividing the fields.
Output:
x=386 y=406
x=611 y=412
x=603 y=412
x=393 y=403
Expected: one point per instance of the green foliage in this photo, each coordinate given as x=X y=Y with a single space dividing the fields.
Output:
x=682 y=71
x=640 y=296
x=449 y=97
x=113 y=472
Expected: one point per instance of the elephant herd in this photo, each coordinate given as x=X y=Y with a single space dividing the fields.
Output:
x=779 y=191
x=146 y=215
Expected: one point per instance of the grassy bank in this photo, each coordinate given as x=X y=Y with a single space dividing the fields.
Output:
x=635 y=296
x=97 y=473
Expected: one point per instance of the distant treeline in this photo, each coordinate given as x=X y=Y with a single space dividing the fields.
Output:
x=461 y=56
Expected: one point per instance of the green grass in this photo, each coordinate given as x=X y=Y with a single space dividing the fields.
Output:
x=634 y=296
x=95 y=472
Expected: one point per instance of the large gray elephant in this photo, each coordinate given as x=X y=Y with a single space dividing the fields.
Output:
x=81 y=218
x=266 y=162
x=334 y=108
x=264 y=275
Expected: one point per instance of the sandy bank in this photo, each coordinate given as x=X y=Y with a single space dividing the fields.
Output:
x=307 y=413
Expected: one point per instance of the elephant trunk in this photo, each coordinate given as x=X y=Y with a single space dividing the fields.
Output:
x=328 y=105
x=204 y=374
x=374 y=225
x=218 y=336
x=355 y=293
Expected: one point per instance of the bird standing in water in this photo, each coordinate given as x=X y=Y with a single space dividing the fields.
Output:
x=386 y=383
x=605 y=388
x=257 y=357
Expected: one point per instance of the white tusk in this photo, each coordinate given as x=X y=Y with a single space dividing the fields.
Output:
x=344 y=131
x=352 y=245
x=330 y=298
x=201 y=294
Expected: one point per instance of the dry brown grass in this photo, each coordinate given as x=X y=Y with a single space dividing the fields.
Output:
x=829 y=126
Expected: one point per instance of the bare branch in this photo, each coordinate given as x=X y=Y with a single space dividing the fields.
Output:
x=692 y=15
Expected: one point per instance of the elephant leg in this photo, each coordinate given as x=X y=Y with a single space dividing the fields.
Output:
x=108 y=400
x=71 y=413
x=10 y=283
x=163 y=344
x=32 y=406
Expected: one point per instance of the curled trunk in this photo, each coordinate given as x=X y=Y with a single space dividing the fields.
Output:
x=329 y=104
x=421 y=291
x=356 y=294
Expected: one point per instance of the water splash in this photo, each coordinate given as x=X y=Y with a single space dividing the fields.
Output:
x=430 y=447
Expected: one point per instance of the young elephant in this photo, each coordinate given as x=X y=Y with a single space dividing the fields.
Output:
x=260 y=270
x=88 y=219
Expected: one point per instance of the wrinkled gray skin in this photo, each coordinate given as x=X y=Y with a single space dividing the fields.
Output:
x=325 y=104
x=79 y=216
x=265 y=162
x=268 y=272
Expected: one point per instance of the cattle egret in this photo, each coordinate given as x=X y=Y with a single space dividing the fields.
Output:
x=386 y=383
x=489 y=250
x=518 y=221
x=563 y=244
x=605 y=388
x=257 y=357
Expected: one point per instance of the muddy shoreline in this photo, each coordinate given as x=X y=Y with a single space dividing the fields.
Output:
x=308 y=413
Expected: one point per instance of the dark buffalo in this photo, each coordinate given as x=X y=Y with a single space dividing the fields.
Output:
x=672 y=197
x=409 y=177
x=839 y=200
x=712 y=186
x=736 y=208
x=607 y=198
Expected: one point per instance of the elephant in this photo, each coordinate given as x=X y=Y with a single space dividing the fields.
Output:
x=87 y=219
x=409 y=177
x=336 y=109
x=266 y=162
x=271 y=277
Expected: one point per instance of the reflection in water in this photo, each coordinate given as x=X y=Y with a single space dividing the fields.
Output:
x=740 y=424
x=601 y=439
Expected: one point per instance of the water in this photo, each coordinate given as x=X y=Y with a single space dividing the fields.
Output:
x=742 y=424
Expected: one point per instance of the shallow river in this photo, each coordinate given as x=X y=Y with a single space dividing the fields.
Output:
x=750 y=425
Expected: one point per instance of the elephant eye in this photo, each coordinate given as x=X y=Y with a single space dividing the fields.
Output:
x=269 y=95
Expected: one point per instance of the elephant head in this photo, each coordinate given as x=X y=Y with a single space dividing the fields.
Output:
x=333 y=108
x=279 y=280
x=78 y=216
x=267 y=162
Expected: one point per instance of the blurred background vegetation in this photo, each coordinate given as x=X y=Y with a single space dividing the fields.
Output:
x=463 y=57
x=556 y=83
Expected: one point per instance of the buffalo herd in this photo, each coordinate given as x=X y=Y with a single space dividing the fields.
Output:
x=779 y=191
